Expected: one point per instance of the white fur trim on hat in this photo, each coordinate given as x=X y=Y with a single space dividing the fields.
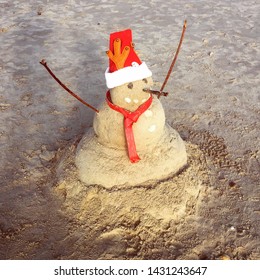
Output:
x=126 y=75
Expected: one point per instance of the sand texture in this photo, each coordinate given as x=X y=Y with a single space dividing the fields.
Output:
x=208 y=211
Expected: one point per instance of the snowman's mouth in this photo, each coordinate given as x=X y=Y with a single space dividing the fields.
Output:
x=156 y=92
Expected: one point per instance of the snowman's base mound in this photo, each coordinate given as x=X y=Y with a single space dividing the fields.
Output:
x=109 y=167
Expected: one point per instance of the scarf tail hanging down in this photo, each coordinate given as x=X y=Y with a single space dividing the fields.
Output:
x=129 y=119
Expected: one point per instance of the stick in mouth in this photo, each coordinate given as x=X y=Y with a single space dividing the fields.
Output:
x=156 y=92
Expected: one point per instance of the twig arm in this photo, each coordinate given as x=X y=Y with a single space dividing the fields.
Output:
x=175 y=57
x=44 y=63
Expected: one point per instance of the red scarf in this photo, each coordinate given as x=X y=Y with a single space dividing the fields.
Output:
x=129 y=119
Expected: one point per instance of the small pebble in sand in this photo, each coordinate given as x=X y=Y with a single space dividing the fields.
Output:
x=148 y=113
x=224 y=258
x=47 y=155
x=152 y=128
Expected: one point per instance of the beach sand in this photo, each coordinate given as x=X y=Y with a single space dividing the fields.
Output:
x=208 y=211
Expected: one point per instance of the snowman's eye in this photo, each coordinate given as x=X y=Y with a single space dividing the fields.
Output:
x=145 y=80
x=130 y=85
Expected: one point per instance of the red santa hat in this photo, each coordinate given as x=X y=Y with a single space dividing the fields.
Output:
x=124 y=64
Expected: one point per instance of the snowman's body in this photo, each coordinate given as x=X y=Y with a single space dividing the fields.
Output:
x=123 y=149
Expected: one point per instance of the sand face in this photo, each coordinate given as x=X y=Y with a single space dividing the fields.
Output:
x=131 y=95
x=209 y=211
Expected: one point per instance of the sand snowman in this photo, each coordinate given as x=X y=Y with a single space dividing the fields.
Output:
x=130 y=143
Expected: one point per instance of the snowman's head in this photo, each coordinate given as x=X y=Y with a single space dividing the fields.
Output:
x=131 y=95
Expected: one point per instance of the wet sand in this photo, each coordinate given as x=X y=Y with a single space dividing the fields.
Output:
x=209 y=211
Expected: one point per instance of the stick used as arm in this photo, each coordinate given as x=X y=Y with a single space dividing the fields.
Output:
x=175 y=57
x=44 y=63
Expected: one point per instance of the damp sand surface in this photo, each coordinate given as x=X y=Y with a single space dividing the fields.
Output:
x=208 y=211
